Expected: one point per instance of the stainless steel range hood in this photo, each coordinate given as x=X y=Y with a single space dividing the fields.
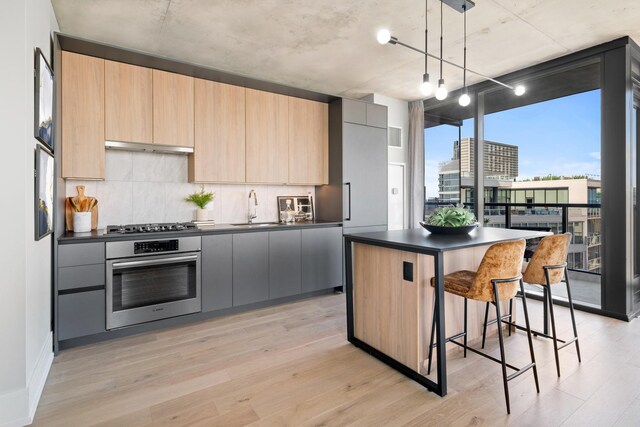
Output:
x=155 y=148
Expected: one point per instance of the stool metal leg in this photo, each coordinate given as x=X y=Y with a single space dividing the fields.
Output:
x=545 y=311
x=553 y=320
x=484 y=326
x=501 y=339
x=433 y=334
x=510 y=314
x=528 y=326
x=573 y=316
x=465 y=327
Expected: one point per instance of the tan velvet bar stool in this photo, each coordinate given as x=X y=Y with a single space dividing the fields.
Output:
x=496 y=280
x=548 y=267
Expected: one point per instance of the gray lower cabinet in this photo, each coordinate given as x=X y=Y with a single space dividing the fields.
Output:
x=80 y=314
x=321 y=258
x=81 y=276
x=250 y=268
x=81 y=311
x=217 y=272
x=80 y=254
x=285 y=270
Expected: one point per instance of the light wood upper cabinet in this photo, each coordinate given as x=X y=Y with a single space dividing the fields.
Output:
x=219 y=151
x=308 y=142
x=128 y=103
x=82 y=116
x=239 y=135
x=173 y=104
x=267 y=128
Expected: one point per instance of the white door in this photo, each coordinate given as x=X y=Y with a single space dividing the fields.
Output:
x=396 y=196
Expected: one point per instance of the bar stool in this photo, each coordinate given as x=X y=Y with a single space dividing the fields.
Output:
x=548 y=266
x=496 y=280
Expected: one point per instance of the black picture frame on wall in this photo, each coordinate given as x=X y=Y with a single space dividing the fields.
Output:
x=43 y=194
x=43 y=102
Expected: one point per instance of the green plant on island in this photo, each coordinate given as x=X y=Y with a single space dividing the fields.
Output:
x=451 y=216
x=201 y=198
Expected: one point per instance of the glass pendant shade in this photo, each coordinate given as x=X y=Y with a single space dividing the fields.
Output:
x=426 y=88
x=441 y=92
x=383 y=36
x=464 y=100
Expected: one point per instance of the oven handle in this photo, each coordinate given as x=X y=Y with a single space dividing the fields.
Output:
x=117 y=265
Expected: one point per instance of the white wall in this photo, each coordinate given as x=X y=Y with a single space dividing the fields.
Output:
x=142 y=188
x=25 y=305
x=398 y=116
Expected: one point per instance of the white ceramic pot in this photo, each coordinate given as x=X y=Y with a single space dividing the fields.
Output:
x=202 y=215
x=81 y=222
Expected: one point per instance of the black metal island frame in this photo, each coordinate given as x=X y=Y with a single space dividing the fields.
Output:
x=390 y=299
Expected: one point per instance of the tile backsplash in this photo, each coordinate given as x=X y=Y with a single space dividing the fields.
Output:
x=151 y=187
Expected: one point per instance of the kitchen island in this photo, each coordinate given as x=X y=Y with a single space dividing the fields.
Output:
x=390 y=301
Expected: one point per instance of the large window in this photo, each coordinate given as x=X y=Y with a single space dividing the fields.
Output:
x=558 y=157
x=541 y=162
x=447 y=163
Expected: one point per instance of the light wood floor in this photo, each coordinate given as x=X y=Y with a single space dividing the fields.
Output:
x=291 y=365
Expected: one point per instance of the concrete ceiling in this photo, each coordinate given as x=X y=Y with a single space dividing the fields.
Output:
x=330 y=46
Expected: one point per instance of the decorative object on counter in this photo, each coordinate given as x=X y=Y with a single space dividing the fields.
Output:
x=201 y=199
x=295 y=208
x=150 y=228
x=205 y=225
x=450 y=220
x=313 y=210
x=81 y=204
x=43 y=105
x=81 y=222
x=44 y=178
x=287 y=214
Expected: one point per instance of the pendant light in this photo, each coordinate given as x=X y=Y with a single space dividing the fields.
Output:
x=441 y=92
x=464 y=99
x=384 y=36
x=426 y=87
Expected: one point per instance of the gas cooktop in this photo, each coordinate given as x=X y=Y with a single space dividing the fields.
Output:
x=150 y=228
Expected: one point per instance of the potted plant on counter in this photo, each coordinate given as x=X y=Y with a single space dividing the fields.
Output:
x=201 y=199
x=450 y=220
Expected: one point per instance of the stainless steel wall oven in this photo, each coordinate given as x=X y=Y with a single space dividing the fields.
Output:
x=152 y=279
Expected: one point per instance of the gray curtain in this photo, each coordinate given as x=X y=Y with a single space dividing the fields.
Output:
x=416 y=163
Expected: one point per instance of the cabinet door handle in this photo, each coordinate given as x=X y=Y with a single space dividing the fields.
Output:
x=348 y=184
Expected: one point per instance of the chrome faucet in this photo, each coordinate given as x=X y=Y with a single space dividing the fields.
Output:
x=253 y=215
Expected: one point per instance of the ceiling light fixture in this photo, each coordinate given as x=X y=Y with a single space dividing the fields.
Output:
x=464 y=99
x=441 y=92
x=384 y=37
x=426 y=87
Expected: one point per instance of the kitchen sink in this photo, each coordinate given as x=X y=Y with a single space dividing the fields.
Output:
x=256 y=224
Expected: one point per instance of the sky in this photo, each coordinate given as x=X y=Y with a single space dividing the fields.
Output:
x=558 y=137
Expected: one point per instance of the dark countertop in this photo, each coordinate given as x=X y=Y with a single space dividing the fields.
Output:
x=420 y=240
x=101 y=236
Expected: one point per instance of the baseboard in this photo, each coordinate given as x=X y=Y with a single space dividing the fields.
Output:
x=40 y=374
x=25 y=401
